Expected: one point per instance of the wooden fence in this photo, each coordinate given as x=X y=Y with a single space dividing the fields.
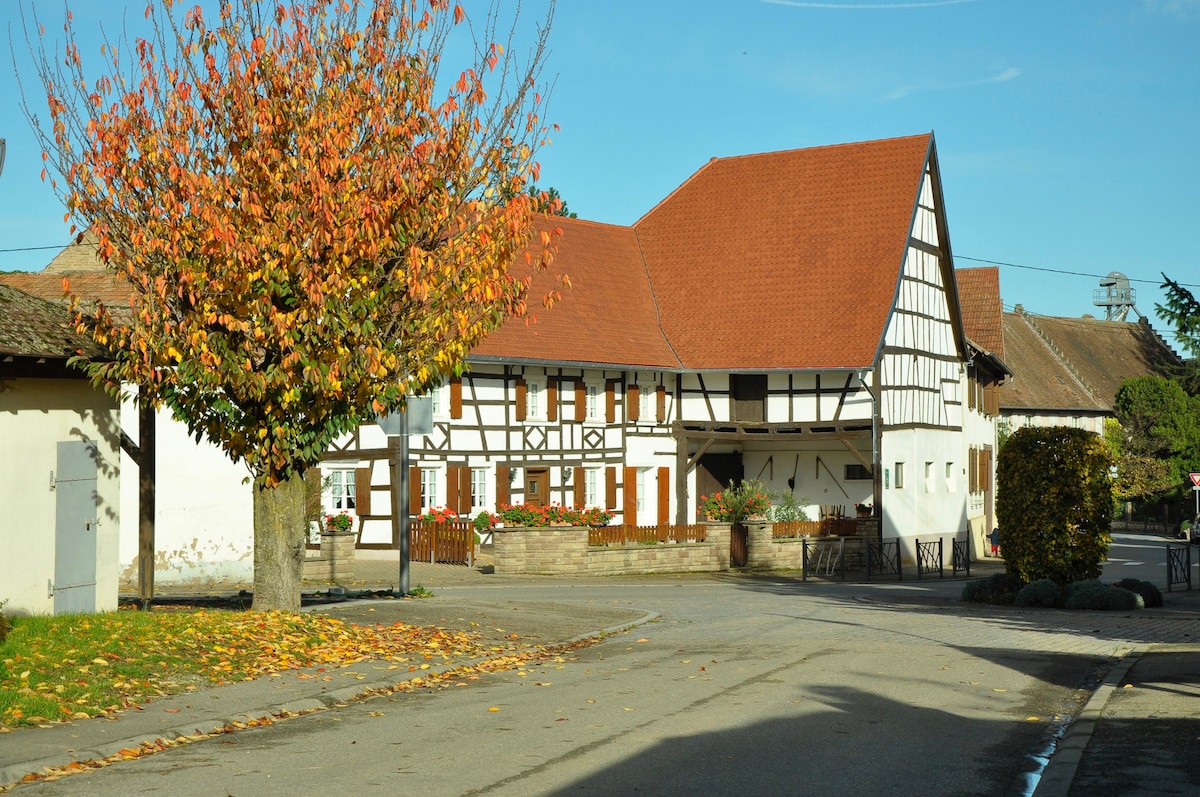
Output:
x=445 y=543
x=830 y=527
x=645 y=535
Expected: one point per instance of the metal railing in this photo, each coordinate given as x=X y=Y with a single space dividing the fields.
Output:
x=1179 y=565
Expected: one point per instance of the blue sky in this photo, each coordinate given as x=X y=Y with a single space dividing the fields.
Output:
x=1067 y=131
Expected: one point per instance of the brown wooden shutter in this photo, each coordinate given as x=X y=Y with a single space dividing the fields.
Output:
x=660 y=394
x=502 y=494
x=456 y=397
x=580 y=401
x=610 y=488
x=552 y=400
x=664 y=496
x=630 y=495
x=414 y=490
x=522 y=403
x=610 y=401
x=362 y=491
x=580 y=488
x=633 y=408
x=458 y=489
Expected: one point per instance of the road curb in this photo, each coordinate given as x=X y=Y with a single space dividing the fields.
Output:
x=1064 y=762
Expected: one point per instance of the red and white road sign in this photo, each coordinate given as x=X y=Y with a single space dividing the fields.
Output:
x=1195 y=479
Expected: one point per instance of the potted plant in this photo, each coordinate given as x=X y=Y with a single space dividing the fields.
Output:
x=739 y=502
x=341 y=523
x=863 y=509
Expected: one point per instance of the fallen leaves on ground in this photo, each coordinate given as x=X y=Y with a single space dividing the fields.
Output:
x=57 y=669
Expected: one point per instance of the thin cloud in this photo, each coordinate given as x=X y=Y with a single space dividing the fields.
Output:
x=868 y=6
x=1003 y=77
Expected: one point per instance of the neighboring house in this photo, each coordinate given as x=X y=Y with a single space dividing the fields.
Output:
x=790 y=317
x=59 y=467
x=982 y=313
x=204 y=518
x=1067 y=370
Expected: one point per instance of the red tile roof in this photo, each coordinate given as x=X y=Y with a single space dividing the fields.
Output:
x=787 y=259
x=979 y=299
x=784 y=260
x=608 y=314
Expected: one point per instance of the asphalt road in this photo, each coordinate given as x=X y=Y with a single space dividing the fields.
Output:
x=739 y=686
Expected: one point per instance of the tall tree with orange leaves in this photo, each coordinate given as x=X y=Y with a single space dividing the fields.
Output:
x=316 y=220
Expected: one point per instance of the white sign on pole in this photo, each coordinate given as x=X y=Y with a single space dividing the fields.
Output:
x=1195 y=477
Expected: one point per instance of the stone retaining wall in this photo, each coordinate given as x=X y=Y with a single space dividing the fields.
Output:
x=564 y=550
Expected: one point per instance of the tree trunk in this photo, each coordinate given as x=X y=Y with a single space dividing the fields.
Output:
x=279 y=537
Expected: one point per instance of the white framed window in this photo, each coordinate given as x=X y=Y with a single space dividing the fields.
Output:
x=479 y=490
x=899 y=473
x=535 y=399
x=640 y=486
x=439 y=402
x=591 y=487
x=648 y=403
x=429 y=489
x=592 y=397
x=339 y=490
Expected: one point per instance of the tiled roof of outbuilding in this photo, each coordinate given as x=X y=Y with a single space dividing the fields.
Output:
x=33 y=327
x=1077 y=363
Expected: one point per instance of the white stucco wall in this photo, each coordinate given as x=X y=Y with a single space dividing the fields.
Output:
x=204 y=510
x=35 y=415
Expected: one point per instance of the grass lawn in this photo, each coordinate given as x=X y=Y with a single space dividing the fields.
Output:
x=67 y=667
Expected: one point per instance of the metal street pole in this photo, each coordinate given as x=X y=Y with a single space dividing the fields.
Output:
x=402 y=508
x=395 y=426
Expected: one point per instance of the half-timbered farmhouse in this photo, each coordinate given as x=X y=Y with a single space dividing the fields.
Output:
x=791 y=317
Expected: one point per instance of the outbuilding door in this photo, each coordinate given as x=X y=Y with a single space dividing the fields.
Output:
x=76 y=513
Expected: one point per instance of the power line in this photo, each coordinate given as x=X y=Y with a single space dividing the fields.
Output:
x=1155 y=283
x=30 y=249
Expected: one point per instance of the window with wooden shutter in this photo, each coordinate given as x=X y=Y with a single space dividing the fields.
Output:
x=456 y=408
x=633 y=403
x=661 y=399
x=610 y=488
x=502 y=494
x=630 y=496
x=552 y=400
x=610 y=401
x=580 y=488
x=414 y=490
x=458 y=489
x=748 y=397
x=664 y=496
x=521 y=400
x=580 y=400
x=362 y=491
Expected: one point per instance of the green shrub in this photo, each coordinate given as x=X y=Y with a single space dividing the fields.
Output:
x=1091 y=594
x=998 y=589
x=1053 y=503
x=1150 y=593
x=1043 y=592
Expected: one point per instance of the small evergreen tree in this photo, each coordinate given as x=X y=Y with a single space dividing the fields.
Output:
x=1054 y=504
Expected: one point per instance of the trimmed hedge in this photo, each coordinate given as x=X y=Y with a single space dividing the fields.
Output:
x=1150 y=593
x=1041 y=593
x=1095 y=595
x=998 y=589
x=1053 y=503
